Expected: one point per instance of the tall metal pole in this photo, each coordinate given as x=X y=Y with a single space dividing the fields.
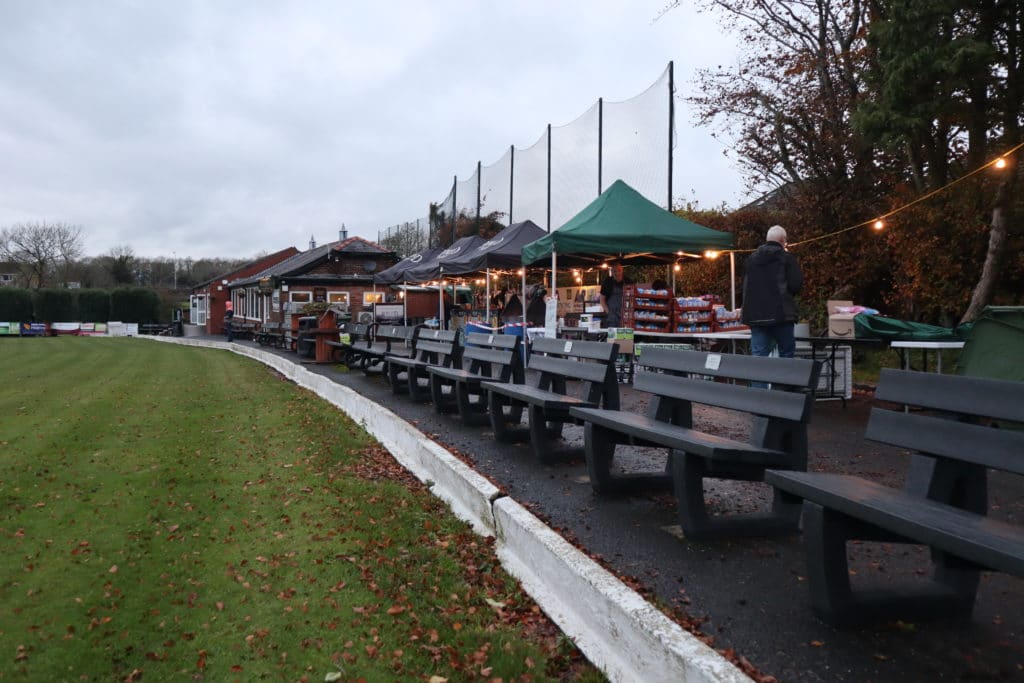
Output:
x=549 y=178
x=600 y=144
x=511 y=181
x=671 y=128
x=478 y=168
x=455 y=205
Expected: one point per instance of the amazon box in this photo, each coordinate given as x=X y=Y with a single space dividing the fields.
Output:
x=840 y=324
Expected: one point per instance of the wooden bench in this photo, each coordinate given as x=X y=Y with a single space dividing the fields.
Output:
x=395 y=340
x=434 y=348
x=242 y=329
x=270 y=334
x=548 y=402
x=677 y=379
x=358 y=335
x=494 y=357
x=943 y=503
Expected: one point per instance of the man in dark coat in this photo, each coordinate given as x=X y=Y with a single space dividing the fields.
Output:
x=771 y=281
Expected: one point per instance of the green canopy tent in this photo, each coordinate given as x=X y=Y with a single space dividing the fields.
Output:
x=624 y=225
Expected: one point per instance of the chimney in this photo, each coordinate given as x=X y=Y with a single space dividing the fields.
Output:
x=342 y=234
x=312 y=242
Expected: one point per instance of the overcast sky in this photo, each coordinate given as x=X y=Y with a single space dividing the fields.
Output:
x=220 y=128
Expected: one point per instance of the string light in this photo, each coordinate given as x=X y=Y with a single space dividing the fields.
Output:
x=1000 y=163
x=878 y=225
x=711 y=254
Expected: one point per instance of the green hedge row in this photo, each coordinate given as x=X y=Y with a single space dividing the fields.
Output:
x=128 y=304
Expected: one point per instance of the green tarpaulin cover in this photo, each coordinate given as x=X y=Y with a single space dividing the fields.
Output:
x=995 y=347
x=878 y=327
x=622 y=222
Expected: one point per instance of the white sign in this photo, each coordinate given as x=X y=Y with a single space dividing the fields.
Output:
x=713 y=361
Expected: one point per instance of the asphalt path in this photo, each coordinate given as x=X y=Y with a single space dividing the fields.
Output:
x=748 y=595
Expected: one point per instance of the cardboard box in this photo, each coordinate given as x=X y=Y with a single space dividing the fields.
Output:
x=840 y=324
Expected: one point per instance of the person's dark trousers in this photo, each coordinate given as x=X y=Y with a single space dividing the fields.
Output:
x=229 y=331
x=764 y=337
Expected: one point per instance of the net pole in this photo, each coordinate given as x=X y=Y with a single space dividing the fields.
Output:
x=478 y=173
x=511 y=181
x=671 y=128
x=455 y=205
x=600 y=144
x=549 y=179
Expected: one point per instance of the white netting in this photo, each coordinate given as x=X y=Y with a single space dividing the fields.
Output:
x=466 y=196
x=495 y=182
x=530 y=183
x=574 y=166
x=636 y=142
x=634 y=146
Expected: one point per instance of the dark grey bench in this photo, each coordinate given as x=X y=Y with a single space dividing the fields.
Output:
x=954 y=436
x=558 y=361
x=678 y=379
x=358 y=335
x=270 y=334
x=395 y=340
x=486 y=357
x=434 y=348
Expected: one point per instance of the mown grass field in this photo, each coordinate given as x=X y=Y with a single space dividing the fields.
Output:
x=172 y=513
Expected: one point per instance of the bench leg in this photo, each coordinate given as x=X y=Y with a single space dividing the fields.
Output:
x=599 y=449
x=542 y=433
x=688 y=474
x=443 y=402
x=395 y=379
x=501 y=420
x=414 y=376
x=472 y=412
x=950 y=593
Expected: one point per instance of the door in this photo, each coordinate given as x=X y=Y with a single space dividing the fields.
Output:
x=197 y=304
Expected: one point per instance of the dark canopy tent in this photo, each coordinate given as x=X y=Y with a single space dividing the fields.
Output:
x=397 y=273
x=624 y=224
x=431 y=269
x=504 y=250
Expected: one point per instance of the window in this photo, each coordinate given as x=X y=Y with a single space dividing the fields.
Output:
x=370 y=298
x=300 y=297
x=338 y=298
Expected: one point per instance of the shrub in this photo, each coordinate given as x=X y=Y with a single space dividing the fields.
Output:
x=94 y=305
x=15 y=304
x=55 y=305
x=134 y=305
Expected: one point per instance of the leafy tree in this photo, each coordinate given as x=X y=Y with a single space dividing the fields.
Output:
x=948 y=92
x=121 y=264
x=42 y=252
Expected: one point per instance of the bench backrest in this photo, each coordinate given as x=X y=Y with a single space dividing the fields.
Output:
x=957 y=436
x=401 y=335
x=679 y=376
x=591 y=362
x=439 y=347
x=358 y=332
x=495 y=356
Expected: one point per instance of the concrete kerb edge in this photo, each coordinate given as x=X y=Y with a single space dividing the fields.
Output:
x=620 y=632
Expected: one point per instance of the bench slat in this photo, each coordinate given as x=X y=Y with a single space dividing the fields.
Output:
x=571 y=369
x=500 y=356
x=978 y=396
x=591 y=350
x=681 y=438
x=533 y=395
x=785 y=405
x=1001 y=449
x=498 y=341
x=800 y=372
x=983 y=540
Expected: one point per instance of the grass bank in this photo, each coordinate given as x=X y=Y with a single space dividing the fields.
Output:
x=176 y=513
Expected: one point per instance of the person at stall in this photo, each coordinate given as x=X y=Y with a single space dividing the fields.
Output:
x=229 y=319
x=770 y=283
x=611 y=295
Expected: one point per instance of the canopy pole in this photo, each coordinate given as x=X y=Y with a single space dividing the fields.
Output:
x=440 y=300
x=487 y=294
x=732 y=277
x=405 y=304
x=523 y=300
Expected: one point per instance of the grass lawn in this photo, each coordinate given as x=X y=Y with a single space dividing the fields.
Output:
x=173 y=513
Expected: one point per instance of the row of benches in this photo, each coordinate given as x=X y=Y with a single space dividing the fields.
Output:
x=955 y=434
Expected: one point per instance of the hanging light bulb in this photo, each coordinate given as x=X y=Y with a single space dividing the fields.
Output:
x=711 y=254
x=878 y=225
x=1000 y=163
x=677 y=267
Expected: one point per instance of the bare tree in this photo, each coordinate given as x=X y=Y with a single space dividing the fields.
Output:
x=42 y=252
